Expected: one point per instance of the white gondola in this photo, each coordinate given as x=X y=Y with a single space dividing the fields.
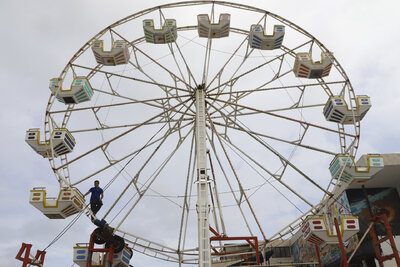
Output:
x=337 y=110
x=168 y=33
x=305 y=67
x=344 y=169
x=80 y=91
x=61 y=141
x=120 y=259
x=317 y=232
x=81 y=254
x=207 y=29
x=259 y=40
x=118 y=55
x=69 y=201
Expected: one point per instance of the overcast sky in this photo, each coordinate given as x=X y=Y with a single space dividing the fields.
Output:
x=39 y=37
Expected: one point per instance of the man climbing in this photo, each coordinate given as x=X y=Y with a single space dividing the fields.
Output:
x=96 y=197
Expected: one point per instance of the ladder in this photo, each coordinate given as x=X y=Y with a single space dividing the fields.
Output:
x=389 y=236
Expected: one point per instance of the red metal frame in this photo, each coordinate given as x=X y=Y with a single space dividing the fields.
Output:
x=343 y=258
x=318 y=256
x=249 y=239
x=389 y=236
x=26 y=258
x=91 y=249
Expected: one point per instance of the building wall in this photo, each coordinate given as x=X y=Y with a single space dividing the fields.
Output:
x=382 y=200
x=398 y=190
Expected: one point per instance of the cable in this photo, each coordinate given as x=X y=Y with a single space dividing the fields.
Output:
x=66 y=228
x=63 y=231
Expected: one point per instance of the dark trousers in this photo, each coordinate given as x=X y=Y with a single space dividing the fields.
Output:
x=95 y=205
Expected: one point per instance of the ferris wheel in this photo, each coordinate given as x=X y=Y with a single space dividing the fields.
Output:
x=205 y=122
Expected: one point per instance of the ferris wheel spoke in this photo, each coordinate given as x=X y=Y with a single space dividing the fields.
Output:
x=178 y=129
x=188 y=202
x=276 y=77
x=108 y=127
x=236 y=95
x=151 y=180
x=273 y=175
x=155 y=61
x=135 y=179
x=235 y=79
x=242 y=95
x=246 y=56
x=234 y=98
x=119 y=136
x=294 y=143
x=128 y=177
x=133 y=101
x=296 y=86
x=221 y=89
x=207 y=59
x=232 y=81
x=238 y=202
x=281 y=157
x=177 y=64
x=166 y=119
x=116 y=161
x=167 y=89
x=190 y=74
x=215 y=194
x=207 y=54
x=132 y=78
x=187 y=197
x=234 y=53
x=237 y=113
x=281 y=116
x=243 y=193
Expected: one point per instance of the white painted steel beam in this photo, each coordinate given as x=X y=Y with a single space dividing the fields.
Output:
x=203 y=205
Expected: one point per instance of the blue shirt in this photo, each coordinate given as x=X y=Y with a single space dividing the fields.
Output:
x=96 y=192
